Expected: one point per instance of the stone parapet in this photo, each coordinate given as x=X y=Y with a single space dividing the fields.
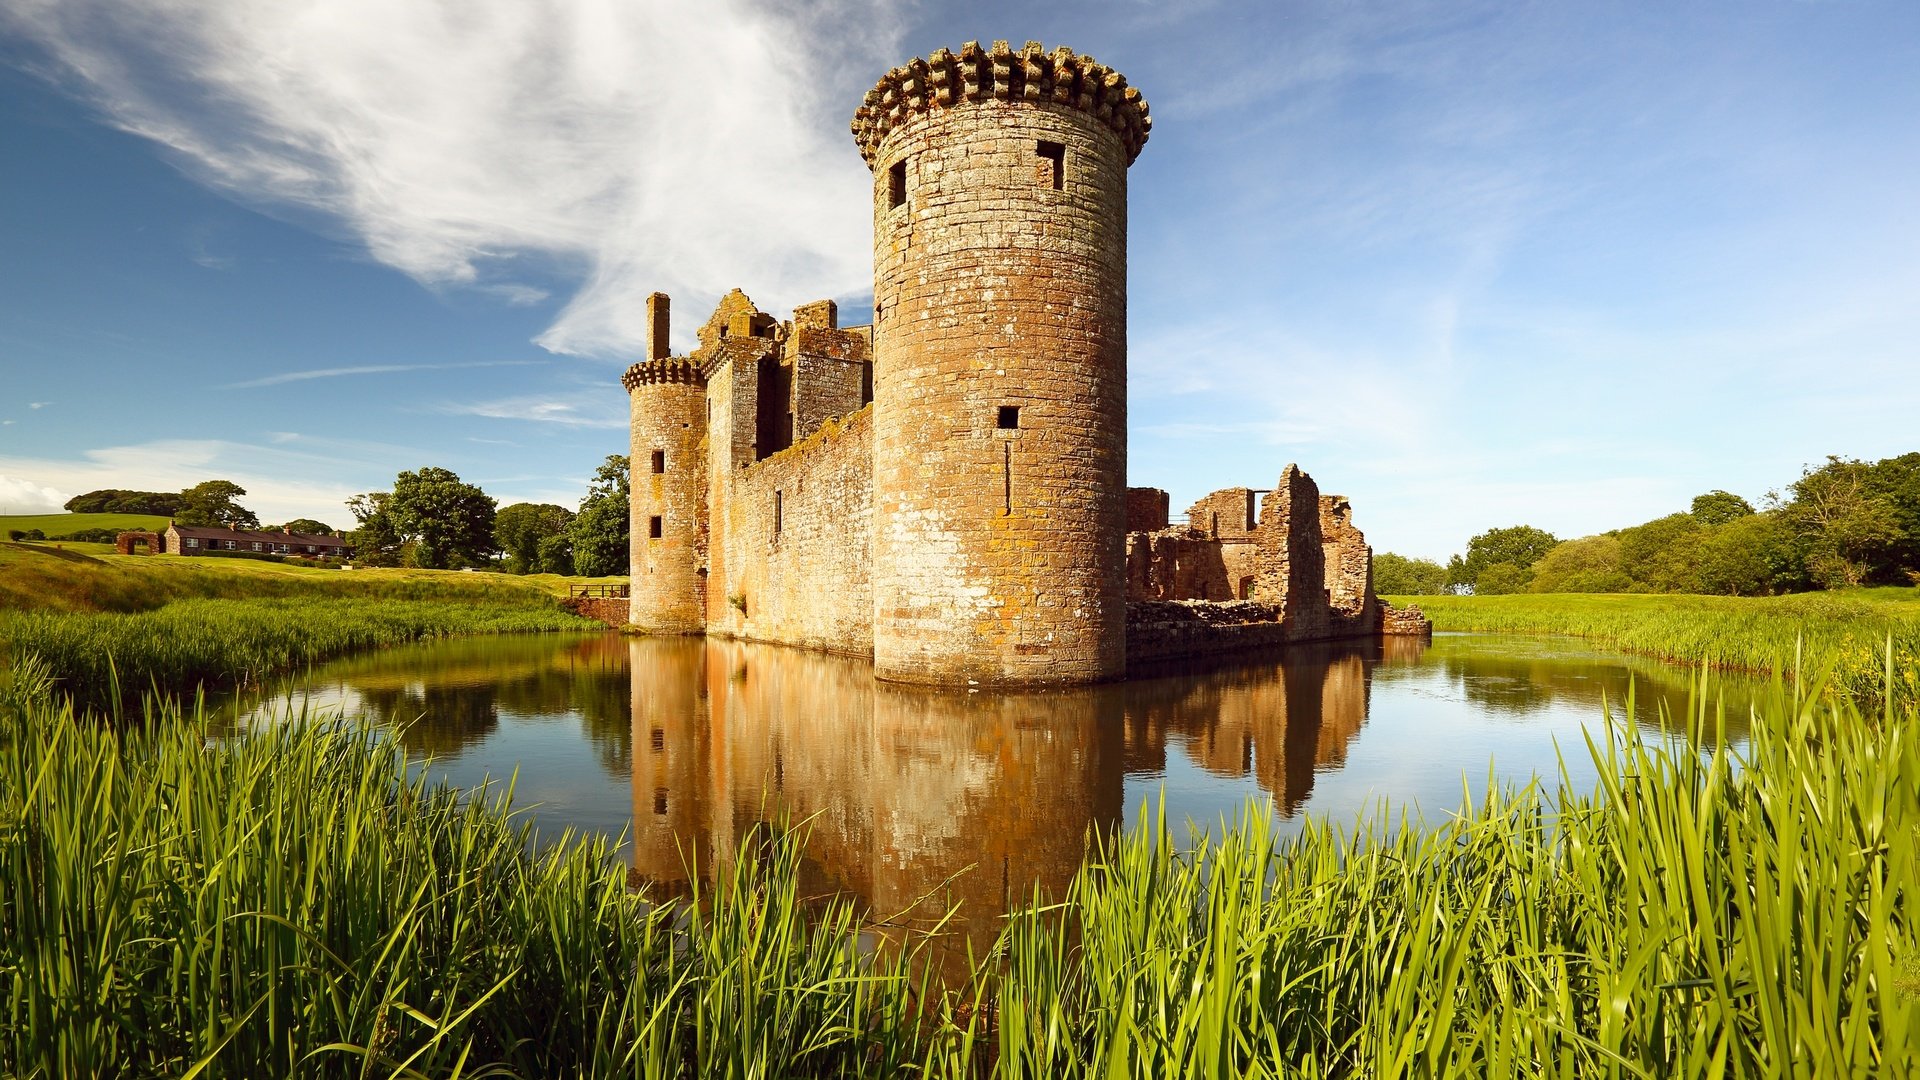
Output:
x=946 y=79
x=1408 y=621
x=669 y=371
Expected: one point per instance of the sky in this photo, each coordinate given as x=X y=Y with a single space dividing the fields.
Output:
x=1470 y=264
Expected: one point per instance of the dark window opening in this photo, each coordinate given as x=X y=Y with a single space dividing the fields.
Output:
x=653 y=527
x=897 y=184
x=1055 y=169
x=1253 y=511
x=1009 y=417
x=866 y=383
x=1006 y=477
x=1246 y=588
x=660 y=800
x=773 y=424
x=776 y=511
x=658 y=740
x=659 y=461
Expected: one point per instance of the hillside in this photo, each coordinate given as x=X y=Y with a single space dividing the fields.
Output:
x=62 y=524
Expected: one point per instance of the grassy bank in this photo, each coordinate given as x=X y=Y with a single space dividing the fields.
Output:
x=1841 y=634
x=42 y=577
x=62 y=524
x=296 y=904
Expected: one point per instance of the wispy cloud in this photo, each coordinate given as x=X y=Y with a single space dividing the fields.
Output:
x=364 y=369
x=38 y=404
x=453 y=140
x=587 y=411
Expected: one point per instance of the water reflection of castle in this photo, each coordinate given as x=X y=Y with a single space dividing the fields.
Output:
x=904 y=788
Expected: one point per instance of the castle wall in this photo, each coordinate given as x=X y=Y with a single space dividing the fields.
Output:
x=668 y=409
x=1146 y=509
x=999 y=551
x=1290 y=563
x=792 y=553
x=1348 y=562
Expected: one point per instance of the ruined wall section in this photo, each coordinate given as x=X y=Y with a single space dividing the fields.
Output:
x=792 y=560
x=1290 y=564
x=1352 y=609
x=1146 y=509
x=832 y=375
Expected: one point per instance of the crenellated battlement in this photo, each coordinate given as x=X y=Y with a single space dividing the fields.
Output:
x=677 y=370
x=945 y=79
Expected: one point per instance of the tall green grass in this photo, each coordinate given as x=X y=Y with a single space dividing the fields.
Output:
x=104 y=660
x=295 y=903
x=1840 y=633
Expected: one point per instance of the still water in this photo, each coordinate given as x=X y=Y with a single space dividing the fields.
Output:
x=684 y=746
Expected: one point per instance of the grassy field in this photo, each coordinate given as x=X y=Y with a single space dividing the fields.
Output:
x=79 y=577
x=299 y=903
x=1842 y=635
x=61 y=524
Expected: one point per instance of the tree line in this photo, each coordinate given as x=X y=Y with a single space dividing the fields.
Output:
x=432 y=519
x=1843 y=524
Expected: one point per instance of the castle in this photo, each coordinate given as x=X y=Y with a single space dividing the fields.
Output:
x=945 y=489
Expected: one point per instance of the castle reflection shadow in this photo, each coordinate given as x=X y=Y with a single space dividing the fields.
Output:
x=914 y=800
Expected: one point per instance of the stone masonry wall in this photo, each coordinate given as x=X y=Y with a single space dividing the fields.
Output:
x=1291 y=565
x=792 y=552
x=1000 y=284
x=1146 y=509
x=668 y=425
x=1349 y=569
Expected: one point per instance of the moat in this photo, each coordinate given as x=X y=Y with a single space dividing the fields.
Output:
x=687 y=745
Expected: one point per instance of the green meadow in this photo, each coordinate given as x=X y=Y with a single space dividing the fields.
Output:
x=1841 y=635
x=63 y=524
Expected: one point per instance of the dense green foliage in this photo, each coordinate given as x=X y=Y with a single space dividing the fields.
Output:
x=431 y=520
x=65 y=526
x=1844 y=524
x=600 y=531
x=1400 y=575
x=309 y=526
x=296 y=903
x=119 y=501
x=1842 y=634
x=520 y=530
x=214 y=504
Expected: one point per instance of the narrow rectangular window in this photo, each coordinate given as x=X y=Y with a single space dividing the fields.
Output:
x=776 y=511
x=658 y=740
x=1054 y=169
x=653 y=527
x=897 y=185
x=1009 y=417
x=659 y=461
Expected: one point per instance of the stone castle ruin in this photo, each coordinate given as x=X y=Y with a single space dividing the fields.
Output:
x=945 y=489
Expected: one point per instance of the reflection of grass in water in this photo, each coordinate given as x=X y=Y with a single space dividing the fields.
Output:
x=1841 y=635
x=295 y=903
x=215 y=643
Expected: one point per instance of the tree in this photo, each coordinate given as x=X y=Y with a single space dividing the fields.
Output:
x=519 y=529
x=1502 y=578
x=1518 y=546
x=1661 y=554
x=448 y=523
x=1846 y=522
x=556 y=554
x=1398 y=575
x=212 y=504
x=122 y=501
x=1590 y=564
x=308 y=526
x=1718 y=507
x=600 y=532
x=377 y=541
x=1750 y=556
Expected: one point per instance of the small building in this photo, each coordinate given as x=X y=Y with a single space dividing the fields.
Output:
x=198 y=540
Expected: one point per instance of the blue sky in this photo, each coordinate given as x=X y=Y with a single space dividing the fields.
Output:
x=1470 y=264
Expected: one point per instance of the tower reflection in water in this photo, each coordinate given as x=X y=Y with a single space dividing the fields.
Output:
x=910 y=794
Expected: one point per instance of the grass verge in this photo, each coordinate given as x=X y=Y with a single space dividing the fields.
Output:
x=1841 y=635
x=298 y=904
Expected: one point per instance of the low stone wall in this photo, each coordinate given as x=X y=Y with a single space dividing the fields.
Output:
x=1176 y=629
x=611 y=610
x=1408 y=621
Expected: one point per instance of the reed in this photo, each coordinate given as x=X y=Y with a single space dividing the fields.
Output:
x=1842 y=635
x=299 y=903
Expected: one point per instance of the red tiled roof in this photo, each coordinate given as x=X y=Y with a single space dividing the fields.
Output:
x=201 y=532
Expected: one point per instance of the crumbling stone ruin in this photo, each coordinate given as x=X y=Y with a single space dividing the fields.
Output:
x=945 y=490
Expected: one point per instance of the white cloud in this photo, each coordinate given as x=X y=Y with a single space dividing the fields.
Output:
x=278 y=480
x=652 y=145
x=588 y=411
x=38 y=404
x=19 y=496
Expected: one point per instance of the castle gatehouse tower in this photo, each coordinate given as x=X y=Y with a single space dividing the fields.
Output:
x=668 y=401
x=1000 y=349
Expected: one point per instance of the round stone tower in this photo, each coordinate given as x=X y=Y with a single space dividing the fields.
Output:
x=668 y=399
x=1000 y=362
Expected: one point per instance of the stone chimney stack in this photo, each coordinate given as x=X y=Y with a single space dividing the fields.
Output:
x=659 y=320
